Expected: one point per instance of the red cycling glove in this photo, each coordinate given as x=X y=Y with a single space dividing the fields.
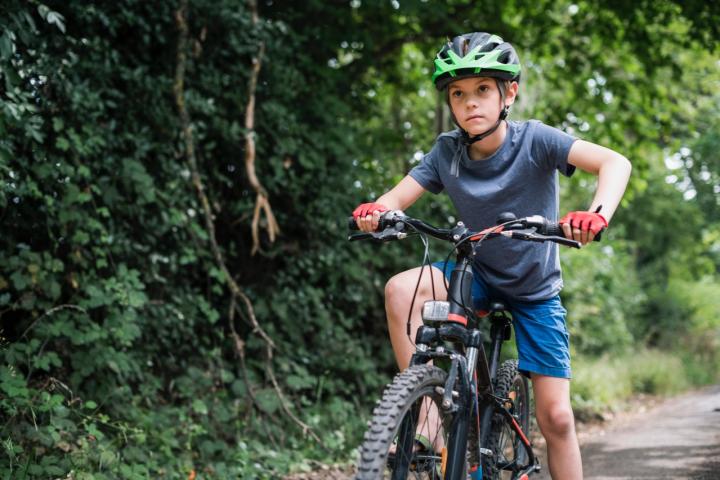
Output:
x=368 y=209
x=585 y=221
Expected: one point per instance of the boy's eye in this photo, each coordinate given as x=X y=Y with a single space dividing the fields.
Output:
x=456 y=93
x=484 y=88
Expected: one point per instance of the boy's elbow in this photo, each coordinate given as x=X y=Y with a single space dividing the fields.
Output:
x=628 y=165
x=622 y=163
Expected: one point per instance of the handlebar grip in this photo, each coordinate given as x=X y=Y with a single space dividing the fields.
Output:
x=555 y=230
x=387 y=219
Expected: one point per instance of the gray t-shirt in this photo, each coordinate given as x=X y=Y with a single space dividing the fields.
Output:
x=520 y=177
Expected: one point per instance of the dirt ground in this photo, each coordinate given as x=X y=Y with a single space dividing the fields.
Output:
x=652 y=437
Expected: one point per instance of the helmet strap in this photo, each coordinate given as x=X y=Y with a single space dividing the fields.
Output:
x=468 y=140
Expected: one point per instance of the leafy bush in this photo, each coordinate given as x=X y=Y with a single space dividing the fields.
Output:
x=601 y=310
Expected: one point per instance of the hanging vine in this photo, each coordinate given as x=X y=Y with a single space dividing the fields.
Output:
x=236 y=292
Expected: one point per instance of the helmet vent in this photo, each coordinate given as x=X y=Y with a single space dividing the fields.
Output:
x=488 y=47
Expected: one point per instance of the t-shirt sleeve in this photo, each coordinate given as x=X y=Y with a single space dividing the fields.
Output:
x=551 y=148
x=426 y=173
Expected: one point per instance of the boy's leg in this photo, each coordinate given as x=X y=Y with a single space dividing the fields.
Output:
x=399 y=292
x=544 y=351
x=557 y=424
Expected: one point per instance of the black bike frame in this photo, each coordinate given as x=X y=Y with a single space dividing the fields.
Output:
x=471 y=373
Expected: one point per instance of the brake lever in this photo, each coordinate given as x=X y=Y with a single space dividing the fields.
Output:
x=521 y=234
x=531 y=235
x=387 y=235
x=359 y=236
x=564 y=241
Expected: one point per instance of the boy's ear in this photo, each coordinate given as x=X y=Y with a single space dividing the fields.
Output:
x=511 y=93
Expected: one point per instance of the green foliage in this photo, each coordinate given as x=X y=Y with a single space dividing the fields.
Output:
x=611 y=381
x=117 y=354
x=601 y=309
x=598 y=384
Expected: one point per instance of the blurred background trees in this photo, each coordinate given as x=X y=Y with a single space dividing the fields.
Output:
x=125 y=353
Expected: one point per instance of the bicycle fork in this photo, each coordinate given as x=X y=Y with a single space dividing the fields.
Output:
x=462 y=370
x=455 y=399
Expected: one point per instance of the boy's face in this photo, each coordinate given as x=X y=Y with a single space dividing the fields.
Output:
x=476 y=102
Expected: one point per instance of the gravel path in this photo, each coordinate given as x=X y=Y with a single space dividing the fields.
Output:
x=677 y=438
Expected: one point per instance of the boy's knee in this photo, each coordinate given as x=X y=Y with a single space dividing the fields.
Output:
x=402 y=286
x=556 y=421
x=397 y=287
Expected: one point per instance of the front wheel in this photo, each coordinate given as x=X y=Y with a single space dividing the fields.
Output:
x=509 y=454
x=408 y=433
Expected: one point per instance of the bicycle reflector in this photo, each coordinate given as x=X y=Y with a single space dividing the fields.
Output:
x=435 y=311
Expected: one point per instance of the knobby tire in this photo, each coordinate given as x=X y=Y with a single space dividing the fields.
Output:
x=399 y=404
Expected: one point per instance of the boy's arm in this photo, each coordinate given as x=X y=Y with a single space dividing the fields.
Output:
x=613 y=171
x=402 y=195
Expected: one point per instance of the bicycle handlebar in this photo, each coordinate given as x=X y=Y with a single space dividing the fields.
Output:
x=535 y=228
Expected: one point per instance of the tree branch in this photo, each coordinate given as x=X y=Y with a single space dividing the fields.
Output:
x=50 y=312
x=240 y=351
x=262 y=203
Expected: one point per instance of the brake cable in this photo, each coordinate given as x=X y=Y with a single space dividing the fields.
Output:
x=426 y=260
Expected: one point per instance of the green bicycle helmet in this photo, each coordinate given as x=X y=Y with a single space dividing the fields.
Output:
x=476 y=54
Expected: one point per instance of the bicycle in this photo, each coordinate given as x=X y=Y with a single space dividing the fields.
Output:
x=476 y=412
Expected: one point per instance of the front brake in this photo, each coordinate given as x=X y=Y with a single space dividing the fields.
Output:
x=531 y=235
x=389 y=234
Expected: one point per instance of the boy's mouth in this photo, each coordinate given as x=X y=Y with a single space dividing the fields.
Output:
x=473 y=117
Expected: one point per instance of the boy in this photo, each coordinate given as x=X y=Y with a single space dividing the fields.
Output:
x=488 y=166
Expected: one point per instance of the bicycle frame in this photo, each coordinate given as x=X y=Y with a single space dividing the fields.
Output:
x=471 y=374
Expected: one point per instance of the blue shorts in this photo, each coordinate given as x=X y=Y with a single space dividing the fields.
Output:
x=541 y=336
